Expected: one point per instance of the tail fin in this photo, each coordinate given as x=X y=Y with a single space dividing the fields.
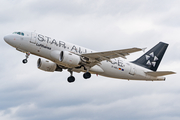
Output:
x=153 y=57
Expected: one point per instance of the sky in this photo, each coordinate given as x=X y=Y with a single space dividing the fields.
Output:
x=27 y=93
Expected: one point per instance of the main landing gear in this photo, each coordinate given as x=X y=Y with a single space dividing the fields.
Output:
x=25 y=60
x=71 y=78
x=87 y=75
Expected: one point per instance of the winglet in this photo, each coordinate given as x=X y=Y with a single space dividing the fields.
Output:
x=144 y=49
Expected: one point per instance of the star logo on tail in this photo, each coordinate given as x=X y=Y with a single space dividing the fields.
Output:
x=151 y=59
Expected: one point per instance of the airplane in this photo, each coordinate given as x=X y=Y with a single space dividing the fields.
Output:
x=60 y=55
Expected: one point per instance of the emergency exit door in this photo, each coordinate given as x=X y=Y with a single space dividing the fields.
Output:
x=132 y=70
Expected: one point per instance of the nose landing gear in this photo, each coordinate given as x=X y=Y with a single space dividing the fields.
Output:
x=25 y=60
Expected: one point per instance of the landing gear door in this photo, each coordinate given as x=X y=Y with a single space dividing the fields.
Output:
x=33 y=37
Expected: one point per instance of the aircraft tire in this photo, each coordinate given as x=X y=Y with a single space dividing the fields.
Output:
x=25 y=61
x=87 y=75
x=71 y=79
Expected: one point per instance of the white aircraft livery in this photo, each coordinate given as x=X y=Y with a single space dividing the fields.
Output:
x=61 y=55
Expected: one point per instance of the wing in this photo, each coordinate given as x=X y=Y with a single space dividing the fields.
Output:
x=160 y=73
x=100 y=56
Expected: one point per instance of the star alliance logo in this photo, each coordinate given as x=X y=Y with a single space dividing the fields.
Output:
x=151 y=59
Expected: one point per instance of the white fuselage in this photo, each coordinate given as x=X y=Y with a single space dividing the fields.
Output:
x=43 y=46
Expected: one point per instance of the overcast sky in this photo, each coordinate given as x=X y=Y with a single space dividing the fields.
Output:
x=27 y=93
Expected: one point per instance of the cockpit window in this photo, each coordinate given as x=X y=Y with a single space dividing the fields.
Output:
x=19 y=33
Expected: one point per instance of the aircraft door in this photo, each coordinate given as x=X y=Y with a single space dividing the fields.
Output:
x=33 y=37
x=132 y=70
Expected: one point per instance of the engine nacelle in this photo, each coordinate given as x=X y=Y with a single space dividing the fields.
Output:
x=70 y=58
x=46 y=65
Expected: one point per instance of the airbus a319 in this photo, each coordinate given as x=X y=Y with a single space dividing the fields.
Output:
x=58 y=55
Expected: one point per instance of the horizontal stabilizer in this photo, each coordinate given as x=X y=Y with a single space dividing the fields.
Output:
x=160 y=73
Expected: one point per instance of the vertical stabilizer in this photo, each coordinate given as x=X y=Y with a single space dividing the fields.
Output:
x=153 y=57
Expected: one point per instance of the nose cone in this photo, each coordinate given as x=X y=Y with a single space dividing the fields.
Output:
x=11 y=40
x=7 y=38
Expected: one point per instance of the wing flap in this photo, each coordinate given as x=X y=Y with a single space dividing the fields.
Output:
x=160 y=73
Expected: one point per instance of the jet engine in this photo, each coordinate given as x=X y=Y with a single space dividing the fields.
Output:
x=46 y=65
x=70 y=58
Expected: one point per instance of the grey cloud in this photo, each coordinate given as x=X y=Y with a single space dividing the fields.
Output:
x=98 y=7
x=172 y=20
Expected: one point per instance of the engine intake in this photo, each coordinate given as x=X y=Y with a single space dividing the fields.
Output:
x=46 y=65
x=70 y=58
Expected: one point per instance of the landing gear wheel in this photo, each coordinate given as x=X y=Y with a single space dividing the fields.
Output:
x=25 y=61
x=87 y=75
x=71 y=79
